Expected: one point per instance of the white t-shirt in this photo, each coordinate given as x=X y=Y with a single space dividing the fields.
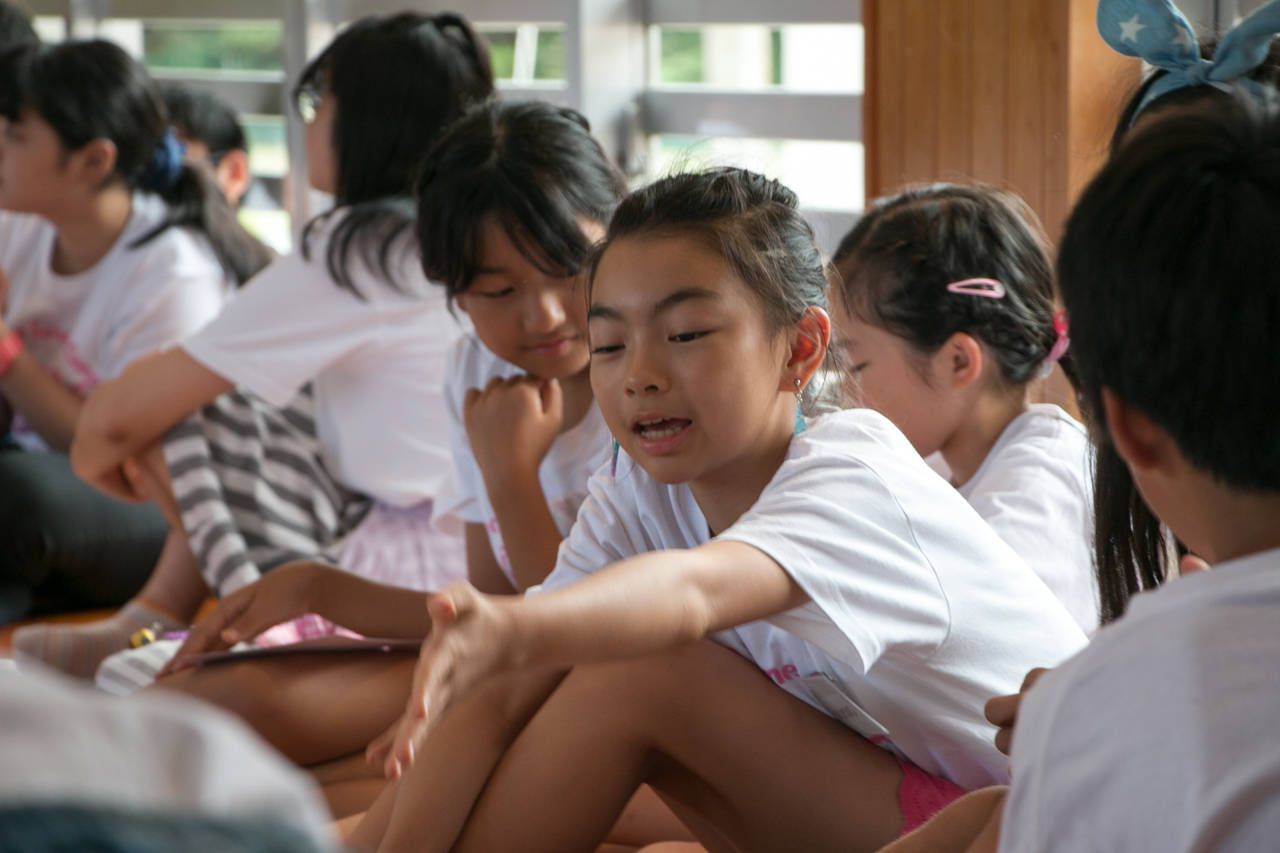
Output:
x=88 y=327
x=1035 y=489
x=1161 y=736
x=160 y=751
x=377 y=362
x=905 y=616
x=576 y=454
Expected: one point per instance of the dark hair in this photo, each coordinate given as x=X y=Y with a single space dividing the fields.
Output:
x=532 y=166
x=1171 y=272
x=1131 y=546
x=15 y=28
x=897 y=261
x=205 y=117
x=91 y=90
x=751 y=221
x=399 y=81
x=1268 y=72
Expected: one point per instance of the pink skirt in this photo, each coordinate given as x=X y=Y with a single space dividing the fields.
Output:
x=398 y=547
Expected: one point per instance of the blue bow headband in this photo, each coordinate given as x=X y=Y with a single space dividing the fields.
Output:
x=1158 y=33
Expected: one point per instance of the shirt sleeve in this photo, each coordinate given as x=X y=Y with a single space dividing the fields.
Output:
x=837 y=529
x=602 y=535
x=192 y=297
x=466 y=486
x=289 y=323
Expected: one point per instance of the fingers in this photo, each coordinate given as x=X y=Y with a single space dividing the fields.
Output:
x=1032 y=677
x=208 y=635
x=1004 y=740
x=1190 y=564
x=378 y=749
x=1003 y=710
x=552 y=397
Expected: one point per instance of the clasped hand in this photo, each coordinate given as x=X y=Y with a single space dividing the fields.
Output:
x=472 y=637
x=512 y=424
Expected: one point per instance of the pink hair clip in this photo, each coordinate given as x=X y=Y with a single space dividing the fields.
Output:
x=987 y=287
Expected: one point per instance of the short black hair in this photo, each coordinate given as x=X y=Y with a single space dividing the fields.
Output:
x=205 y=117
x=533 y=167
x=1170 y=269
x=15 y=28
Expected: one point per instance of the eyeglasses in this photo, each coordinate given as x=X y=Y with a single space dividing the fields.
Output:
x=307 y=100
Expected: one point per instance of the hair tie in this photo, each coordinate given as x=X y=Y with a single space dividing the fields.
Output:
x=1060 y=346
x=988 y=287
x=167 y=162
x=1156 y=32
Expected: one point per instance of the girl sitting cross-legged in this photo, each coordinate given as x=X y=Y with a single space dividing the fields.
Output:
x=786 y=629
x=309 y=415
x=509 y=202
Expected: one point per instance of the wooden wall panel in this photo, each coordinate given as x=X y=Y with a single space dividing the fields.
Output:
x=1017 y=93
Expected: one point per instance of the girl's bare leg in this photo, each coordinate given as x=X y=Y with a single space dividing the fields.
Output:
x=709 y=732
x=314 y=709
x=170 y=599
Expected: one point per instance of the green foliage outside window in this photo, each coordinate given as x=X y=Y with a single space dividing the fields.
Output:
x=681 y=56
x=250 y=46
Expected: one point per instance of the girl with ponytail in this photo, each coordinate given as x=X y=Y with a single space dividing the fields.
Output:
x=310 y=419
x=112 y=248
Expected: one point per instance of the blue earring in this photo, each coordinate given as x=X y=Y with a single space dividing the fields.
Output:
x=613 y=468
x=800 y=424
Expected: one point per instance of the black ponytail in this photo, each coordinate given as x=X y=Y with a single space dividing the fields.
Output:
x=399 y=81
x=90 y=90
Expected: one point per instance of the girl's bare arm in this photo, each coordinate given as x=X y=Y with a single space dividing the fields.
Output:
x=48 y=406
x=644 y=605
x=123 y=416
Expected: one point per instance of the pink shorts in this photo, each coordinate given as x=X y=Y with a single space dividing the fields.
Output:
x=922 y=795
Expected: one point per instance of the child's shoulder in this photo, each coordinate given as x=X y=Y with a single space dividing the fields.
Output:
x=1143 y=712
x=471 y=364
x=852 y=434
x=1178 y=641
x=1044 y=441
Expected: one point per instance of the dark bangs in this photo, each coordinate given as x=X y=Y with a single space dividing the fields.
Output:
x=532 y=167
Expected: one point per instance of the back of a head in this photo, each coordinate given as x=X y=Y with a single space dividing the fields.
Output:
x=15 y=28
x=203 y=116
x=897 y=261
x=399 y=81
x=753 y=222
x=1267 y=73
x=533 y=167
x=1170 y=269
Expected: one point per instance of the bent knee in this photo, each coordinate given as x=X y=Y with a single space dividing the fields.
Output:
x=654 y=679
x=247 y=690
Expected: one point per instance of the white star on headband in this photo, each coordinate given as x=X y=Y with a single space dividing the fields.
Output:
x=1130 y=28
x=1183 y=37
